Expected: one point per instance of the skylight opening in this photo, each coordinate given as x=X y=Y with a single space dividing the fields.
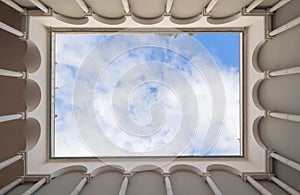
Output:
x=154 y=93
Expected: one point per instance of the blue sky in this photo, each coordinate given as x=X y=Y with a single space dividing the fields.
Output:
x=224 y=46
x=150 y=100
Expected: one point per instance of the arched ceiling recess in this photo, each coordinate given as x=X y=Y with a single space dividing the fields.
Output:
x=32 y=57
x=255 y=95
x=68 y=169
x=152 y=182
x=147 y=167
x=67 y=8
x=147 y=9
x=12 y=131
x=255 y=56
x=107 y=168
x=11 y=99
x=221 y=167
x=278 y=94
x=256 y=125
x=19 y=95
x=26 y=55
x=227 y=11
x=32 y=95
x=185 y=167
x=25 y=132
x=107 y=9
x=186 y=20
x=227 y=8
x=273 y=132
x=147 y=21
x=223 y=20
x=32 y=131
x=283 y=45
x=69 y=20
x=226 y=177
x=193 y=8
x=110 y=21
x=12 y=45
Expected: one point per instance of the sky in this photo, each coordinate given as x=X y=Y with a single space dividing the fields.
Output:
x=147 y=94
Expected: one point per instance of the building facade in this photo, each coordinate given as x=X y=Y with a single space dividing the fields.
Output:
x=271 y=164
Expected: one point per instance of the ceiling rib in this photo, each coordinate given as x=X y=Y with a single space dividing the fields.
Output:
x=253 y=5
x=10 y=29
x=126 y=6
x=285 y=27
x=169 y=6
x=278 y=5
x=14 y=5
x=40 y=5
x=211 y=5
x=83 y=6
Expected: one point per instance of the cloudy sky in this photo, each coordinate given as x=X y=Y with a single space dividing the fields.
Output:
x=147 y=94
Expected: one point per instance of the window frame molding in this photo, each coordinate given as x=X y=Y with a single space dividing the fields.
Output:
x=242 y=89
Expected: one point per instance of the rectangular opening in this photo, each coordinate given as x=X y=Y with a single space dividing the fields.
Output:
x=146 y=93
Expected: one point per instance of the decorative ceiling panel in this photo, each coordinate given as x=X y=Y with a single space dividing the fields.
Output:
x=65 y=7
x=108 y=9
x=226 y=8
x=147 y=9
x=187 y=8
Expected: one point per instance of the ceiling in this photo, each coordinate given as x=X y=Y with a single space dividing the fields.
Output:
x=146 y=9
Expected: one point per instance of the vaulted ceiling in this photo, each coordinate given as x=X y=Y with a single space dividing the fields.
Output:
x=277 y=95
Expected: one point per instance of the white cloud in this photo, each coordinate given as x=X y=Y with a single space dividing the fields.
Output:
x=71 y=49
x=228 y=142
x=180 y=80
